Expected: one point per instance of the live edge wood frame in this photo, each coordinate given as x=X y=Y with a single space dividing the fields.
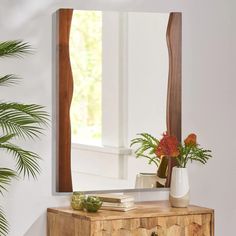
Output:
x=65 y=90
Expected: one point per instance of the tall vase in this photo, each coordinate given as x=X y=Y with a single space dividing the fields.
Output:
x=179 y=188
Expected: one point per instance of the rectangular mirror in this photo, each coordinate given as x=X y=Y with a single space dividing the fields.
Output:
x=117 y=77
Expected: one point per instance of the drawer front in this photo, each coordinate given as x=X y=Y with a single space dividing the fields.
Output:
x=189 y=225
x=64 y=225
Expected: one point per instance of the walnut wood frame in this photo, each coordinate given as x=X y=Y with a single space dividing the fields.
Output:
x=174 y=91
x=65 y=91
x=64 y=97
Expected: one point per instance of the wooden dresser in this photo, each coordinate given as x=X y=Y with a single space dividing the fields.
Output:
x=149 y=219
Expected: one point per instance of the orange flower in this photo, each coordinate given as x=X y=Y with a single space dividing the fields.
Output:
x=191 y=140
x=168 y=146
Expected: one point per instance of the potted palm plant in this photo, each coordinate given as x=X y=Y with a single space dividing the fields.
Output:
x=17 y=121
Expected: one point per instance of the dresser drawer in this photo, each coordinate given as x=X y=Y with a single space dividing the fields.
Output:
x=189 y=225
x=149 y=219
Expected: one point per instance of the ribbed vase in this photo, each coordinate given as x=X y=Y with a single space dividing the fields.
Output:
x=179 y=188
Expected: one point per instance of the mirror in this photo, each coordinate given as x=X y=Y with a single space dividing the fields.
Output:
x=116 y=73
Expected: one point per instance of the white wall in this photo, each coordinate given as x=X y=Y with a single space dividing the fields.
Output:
x=209 y=99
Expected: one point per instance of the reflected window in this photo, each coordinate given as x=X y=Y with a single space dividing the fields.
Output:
x=86 y=64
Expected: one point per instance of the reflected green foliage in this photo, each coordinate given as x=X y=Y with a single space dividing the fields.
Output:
x=147 y=145
x=86 y=62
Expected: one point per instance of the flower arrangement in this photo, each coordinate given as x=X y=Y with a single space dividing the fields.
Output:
x=154 y=150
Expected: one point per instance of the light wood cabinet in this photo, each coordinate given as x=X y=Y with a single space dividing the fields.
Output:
x=149 y=219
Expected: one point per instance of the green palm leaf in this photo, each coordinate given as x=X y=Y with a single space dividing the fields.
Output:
x=6 y=175
x=16 y=48
x=8 y=80
x=147 y=145
x=4 y=226
x=22 y=120
x=154 y=159
x=18 y=120
x=26 y=161
x=6 y=138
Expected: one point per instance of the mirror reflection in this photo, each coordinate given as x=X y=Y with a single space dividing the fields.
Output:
x=119 y=63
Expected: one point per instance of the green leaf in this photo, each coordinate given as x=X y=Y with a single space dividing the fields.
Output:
x=151 y=159
x=147 y=145
x=27 y=161
x=14 y=48
x=199 y=160
x=6 y=138
x=22 y=120
x=6 y=175
x=195 y=153
x=8 y=80
x=18 y=120
x=4 y=226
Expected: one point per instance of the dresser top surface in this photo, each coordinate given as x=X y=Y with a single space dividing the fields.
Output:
x=144 y=209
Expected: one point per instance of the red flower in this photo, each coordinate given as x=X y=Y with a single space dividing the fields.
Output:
x=168 y=146
x=191 y=140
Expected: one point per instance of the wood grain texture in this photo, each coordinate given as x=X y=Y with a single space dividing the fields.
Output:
x=155 y=217
x=64 y=96
x=173 y=114
x=144 y=209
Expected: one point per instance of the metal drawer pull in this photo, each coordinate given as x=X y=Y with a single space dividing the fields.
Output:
x=154 y=234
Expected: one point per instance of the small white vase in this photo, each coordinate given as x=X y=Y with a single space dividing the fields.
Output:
x=179 y=188
x=146 y=180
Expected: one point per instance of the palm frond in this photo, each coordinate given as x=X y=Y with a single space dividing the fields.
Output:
x=147 y=143
x=6 y=175
x=154 y=159
x=200 y=155
x=149 y=138
x=8 y=80
x=6 y=138
x=26 y=161
x=18 y=120
x=193 y=153
x=4 y=226
x=22 y=120
x=147 y=147
x=16 y=48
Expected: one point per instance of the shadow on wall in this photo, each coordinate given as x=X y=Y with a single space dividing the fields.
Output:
x=38 y=228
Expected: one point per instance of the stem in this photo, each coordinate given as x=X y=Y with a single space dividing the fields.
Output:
x=180 y=158
x=179 y=162
x=151 y=159
x=186 y=157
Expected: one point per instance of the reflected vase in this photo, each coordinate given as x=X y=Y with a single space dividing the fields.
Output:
x=179 y=188
x=146 y=180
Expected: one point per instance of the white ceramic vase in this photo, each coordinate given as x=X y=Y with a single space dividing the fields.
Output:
x=179 y=188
